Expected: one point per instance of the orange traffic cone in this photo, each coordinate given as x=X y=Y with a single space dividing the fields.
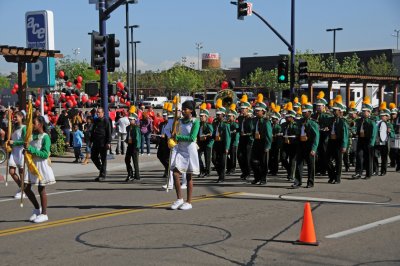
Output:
x=307 y=234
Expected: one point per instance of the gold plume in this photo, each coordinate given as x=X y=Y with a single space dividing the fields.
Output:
x=169 y=108
x=203 y=106
x=367 y=100
x=244 y=98
x=382 y=106
x=296 y=100
x=304 y=99
x=299 y=111
x=392 y=105
x=218 y=104
x=331 y=103
x=338 y=99
x=352 y=105
x=176 y=100
x=289 y=106
x=321 y=95
x=165 y=106
x=233 y=107
x=278 y=108
x=260 y=98
x=273 y=107
x=132 y=109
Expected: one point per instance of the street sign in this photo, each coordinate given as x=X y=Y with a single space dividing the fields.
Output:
x=40 y=35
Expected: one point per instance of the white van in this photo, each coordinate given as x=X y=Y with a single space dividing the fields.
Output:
x=155 y=102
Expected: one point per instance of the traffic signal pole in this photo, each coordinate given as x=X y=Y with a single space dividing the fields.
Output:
x=103 y=70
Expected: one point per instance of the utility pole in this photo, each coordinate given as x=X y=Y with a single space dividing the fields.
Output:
x=199 y=46
x=334 y=46
x=397 y=36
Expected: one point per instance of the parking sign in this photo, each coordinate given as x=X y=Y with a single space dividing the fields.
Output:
x=40 y=35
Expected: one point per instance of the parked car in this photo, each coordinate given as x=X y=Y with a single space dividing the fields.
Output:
x=155 y=102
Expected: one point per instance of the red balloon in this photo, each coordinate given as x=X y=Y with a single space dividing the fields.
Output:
x=224 y=85
x=128 y=103
x=120 y=85
x=84 y=99
x=121 y=100
x=13 y=91
x=208 y=106
x=119 y=94
x=69 y=84
x=37 y=103
x=98 y=71
x=79 y=85
x=16 y=86
x=70 y=102
x=79 y=79
x=63 y=105
x=61 y=74
x=112 y=99
x=45 y=109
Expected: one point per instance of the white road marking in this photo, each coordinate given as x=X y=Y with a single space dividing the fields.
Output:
x=284 y=197
x=365 y=227
x=48 y=194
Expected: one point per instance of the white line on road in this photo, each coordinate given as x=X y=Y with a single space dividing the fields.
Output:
x=365 y=227
x=284 y=197
x=48 y=194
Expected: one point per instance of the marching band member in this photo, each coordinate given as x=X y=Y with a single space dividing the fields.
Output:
x=338 y=141
x=366 y=133
x=163 y=150
x=184 y=157
x=39 y=147
x=16 y=160
x=308 y=145
x=296 y=104
x=262 y=134
x=222 y=141
x=246 y=137
x=348 y=156
x=276 y=140
x=205 y=141
x=322 y=118
x=234 y=129
x=290 y=133
x=394 y=153
x=384 y=131
x=133 y=138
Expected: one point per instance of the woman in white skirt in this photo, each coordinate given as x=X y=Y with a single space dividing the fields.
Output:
x=39 y=147
x=184 y=157
x=16 y=159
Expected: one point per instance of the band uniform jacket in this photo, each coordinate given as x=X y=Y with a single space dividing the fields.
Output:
x=245 y=126
x=133 y=136
x=221 y=133
x=263 y=127
x=370 y=130
x=205 y=129
x=311 y=130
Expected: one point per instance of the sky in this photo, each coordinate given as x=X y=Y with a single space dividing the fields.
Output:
x=169 y=29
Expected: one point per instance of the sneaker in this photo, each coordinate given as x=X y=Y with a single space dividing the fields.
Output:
x=41 y=218
x=148 y=154
x=183 y=187
x=141 y=154
x=177 y=204
x=35 y=214
x=18 y=195
x=185 y=206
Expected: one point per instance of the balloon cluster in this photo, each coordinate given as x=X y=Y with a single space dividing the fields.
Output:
x=48 y=101
x=15 y=89
x=122 y=94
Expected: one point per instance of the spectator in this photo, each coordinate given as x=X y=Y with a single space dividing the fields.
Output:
x=77 y=143
x=65 y=126
x=145 y=130
x=121 y=126
x=150 y=113
x=87 y=133
x=101 y=139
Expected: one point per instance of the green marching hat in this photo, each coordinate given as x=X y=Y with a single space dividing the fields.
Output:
x=338 y=104
x=260 y=105
x=219 y=109
x=366 y=105
x=232 y=110
x=320 y=99
x=384 y=110
x=393 y=109
x=203 y=110
x=132 y=113
x=306 y=106
x=289 y=110
x=275 y=111
x=352 y=108
x=296 y=103
x=244 y=102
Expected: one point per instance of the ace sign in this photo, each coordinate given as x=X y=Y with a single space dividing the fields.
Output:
x=40 y=35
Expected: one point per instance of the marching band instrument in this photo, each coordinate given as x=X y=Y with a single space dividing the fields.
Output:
x=394 y=143
x=227 y=96
x=8 y=148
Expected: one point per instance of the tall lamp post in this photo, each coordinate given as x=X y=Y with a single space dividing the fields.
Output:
x=397 y=36
x=199 y=46
x=132 y=58
x=334 y=45
x=128 y=70
x=135 y=72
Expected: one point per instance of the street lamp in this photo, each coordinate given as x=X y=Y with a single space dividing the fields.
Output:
x=184 y=60
x=397 y=36
x=76 y=51
x=334 y=45
x=199 y=46
x=132 y=58
x=135 y=72
x=128 y=80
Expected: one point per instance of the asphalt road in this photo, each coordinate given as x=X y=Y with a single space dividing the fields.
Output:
x=234 y=223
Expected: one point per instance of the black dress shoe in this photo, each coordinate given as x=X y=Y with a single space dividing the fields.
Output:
x=220 y=181
x=331 y=181
x=337 y=182
x=366 y=177
x=129 y=178
x=262 y=183
x=382 y=174
x=296 y=186
x=309 y=186
x=254 y=182
x=137 y=178
x=100 y=178
x=356 y=176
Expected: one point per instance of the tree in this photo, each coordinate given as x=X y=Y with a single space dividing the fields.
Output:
x=74 y=68
x=181 y=79
x=212 y=78
x=380 y=66
x=268 y=79
x=316 y=63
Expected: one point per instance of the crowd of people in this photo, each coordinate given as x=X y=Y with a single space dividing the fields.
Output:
x=328 y=138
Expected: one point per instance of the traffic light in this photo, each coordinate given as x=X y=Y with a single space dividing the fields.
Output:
x=91 y=88
x=112 y=89
x=283 y=71
x=241 y=9
x=98 y=50
x=112 y=53
x=303 y=72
